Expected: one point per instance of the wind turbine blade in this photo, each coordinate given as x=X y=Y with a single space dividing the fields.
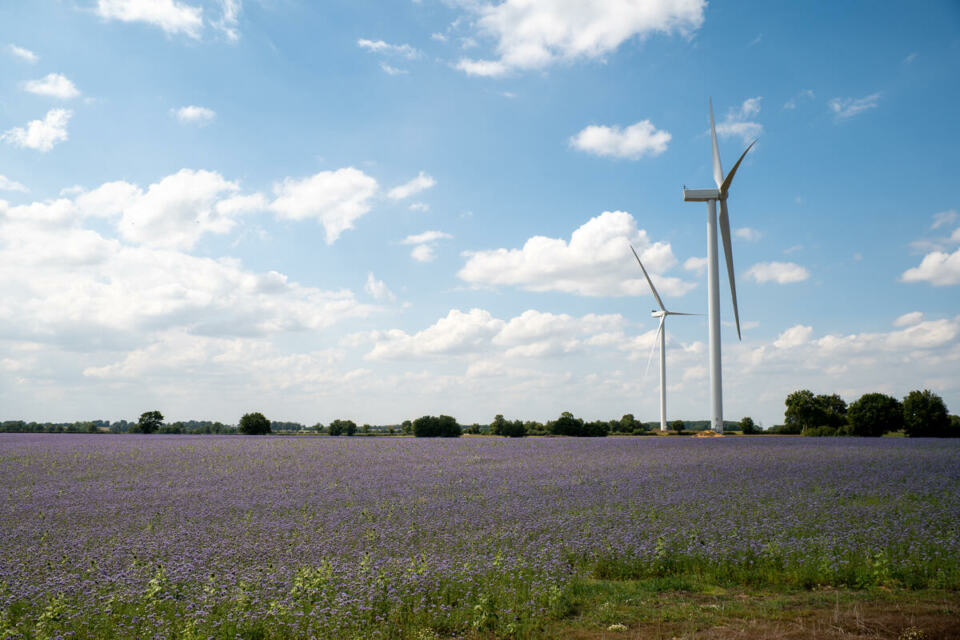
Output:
x=656 y=341
x=677 y=313
x=728 y=254
x=717 y=169
x=729 y=179
x=649 y=281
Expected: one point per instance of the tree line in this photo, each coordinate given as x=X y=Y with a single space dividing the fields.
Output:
x=920 y=414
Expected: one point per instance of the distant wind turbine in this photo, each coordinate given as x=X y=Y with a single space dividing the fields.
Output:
x=662 y=335
x=711 y=197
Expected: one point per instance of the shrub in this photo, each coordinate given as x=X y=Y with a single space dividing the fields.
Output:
x=436 y=427
x=342 y=427
x=821 y=431
x=875 y=414
x=254 y=424
x=925 y=415
x=677 y=425
x=149 y=422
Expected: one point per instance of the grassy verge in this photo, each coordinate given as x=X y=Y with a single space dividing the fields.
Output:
x=686 y=607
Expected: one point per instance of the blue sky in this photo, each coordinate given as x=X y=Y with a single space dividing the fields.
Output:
x=380 y=210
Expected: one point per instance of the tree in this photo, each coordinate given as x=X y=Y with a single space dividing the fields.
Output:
x=925 y=415
x=498 y=424
x=747 y=426
x=566 y=425
x=406 y=426
x=150 y=421
x=436 y=427
x=874 y=414
x=342 y=427
x=806 y=410
x=254 y=424
x=677 y=425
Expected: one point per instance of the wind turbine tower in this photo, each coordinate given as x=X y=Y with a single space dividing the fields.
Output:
x=662 y=338
x=711 y=197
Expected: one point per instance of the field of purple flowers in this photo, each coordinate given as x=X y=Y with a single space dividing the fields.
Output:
x=196 y=537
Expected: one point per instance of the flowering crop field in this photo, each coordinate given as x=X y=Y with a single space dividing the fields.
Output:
x=259 y=537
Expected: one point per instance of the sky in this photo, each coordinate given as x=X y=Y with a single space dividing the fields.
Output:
x=380 y=210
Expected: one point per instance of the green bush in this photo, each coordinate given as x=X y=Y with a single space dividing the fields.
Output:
x=925 y=415
x=874 y=414
x=436 y=427
x=254 y=424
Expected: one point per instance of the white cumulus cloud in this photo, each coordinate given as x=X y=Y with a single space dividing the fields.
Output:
x=170 y=15
x=420 y=183
x=779 y=272
x=55 y=85
x=41 y=135
x=335 y=198
x=377 y=288
x=379 y=46
x=23 y=54
x=793 y=337
x=738 y=123
x=596 y=261
x=193 y=114
x=533 y=35
x=908 y=319
x=637 y=140
x=748 y=234
x=6 y=184
x=938 y=268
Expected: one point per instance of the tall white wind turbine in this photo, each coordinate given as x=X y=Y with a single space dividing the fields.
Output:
x=662 y=336
x=711 y=197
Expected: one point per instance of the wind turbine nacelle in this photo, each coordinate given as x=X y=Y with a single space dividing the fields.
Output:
x=700 y=195
x=657 y=314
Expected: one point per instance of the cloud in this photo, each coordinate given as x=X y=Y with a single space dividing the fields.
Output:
x=378 y=289
x=379 y=46
x=23 y=54
x=908 y=319
x=458 y=332
x=426 y=237
x=737 y=123
x=595 y=262
x=55 y=85
x=41 y=135
x=418 y=184
x=910 y=58
x=423 y=253
x=419 y=206
x=393 y=71
x=532 y=334
x=697 y=265
x=793 y=337
x=229 y=18
x=938 y=268
x=6 y=184
x=534 y=35
x=334 y=198
x=779 y=272
x=192 y=114
x=806 y=94
x=637 y=140
x=176 y=211
x=748 y=234
x=944 y=218
x=171 y=16
x=74 y=287
x=848 y=107
x=426 y=241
